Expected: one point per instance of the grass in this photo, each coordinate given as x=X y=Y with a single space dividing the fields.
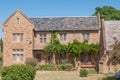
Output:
x=109 y=76
x=66 y=75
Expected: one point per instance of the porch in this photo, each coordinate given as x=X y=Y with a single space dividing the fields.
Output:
x=84 y=60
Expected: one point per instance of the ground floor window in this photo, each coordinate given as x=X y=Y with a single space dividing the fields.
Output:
x=85 y=58
x=17 y=55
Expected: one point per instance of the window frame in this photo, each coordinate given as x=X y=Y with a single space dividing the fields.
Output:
x=86 y=36
x=17 y=55
x=17 y=37
x=63 y=36
x=43 y=37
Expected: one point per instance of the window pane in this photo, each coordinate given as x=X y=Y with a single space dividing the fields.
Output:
x=21 y=57
x=60 y=36
x=40 y=40
x=44 y=40
x=21 y=37
x=14 y=57
x=14 y=37
x=64 y=36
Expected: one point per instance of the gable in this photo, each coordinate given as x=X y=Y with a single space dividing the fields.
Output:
x=14 y=16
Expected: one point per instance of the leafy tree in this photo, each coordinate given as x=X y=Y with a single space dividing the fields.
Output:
x=54 y=47
x=94 y=48
x=74 y=49
x=108 y=12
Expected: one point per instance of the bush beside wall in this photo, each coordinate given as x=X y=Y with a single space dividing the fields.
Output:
x=18 y=72
x=83 y=73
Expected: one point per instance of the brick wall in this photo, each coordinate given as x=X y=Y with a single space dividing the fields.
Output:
x=11 y=26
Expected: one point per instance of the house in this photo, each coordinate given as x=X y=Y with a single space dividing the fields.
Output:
x=26 y=37
x=109 y=34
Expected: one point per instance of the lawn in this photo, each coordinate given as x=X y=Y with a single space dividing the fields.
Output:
x=69 y=75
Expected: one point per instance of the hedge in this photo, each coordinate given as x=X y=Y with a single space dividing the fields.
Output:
x=18 y=72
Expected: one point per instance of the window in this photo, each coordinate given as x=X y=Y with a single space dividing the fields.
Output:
x=18 y=37
x=42 y=38
x=18 y=20
x=63 y=37
x=17 y=55
x=86 y=36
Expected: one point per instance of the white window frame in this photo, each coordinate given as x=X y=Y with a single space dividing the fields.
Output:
x=63 y=36
x=43 y=37
x=17 y=55
x=86 y=36
x=18 y=37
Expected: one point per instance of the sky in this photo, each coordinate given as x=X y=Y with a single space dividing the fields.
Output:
x=39 y=8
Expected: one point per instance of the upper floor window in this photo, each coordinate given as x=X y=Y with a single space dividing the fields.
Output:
x=62 y=36
x=18 y=37
x=17 y=55
x=43 y=38
x=86 y=36
x=18 y=20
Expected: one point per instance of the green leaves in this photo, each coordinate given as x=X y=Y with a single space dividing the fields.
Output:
x=108 y=12
x=18 y=72
x=77 y=47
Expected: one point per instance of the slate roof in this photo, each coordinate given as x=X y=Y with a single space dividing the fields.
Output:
x=112 y=31
x=65 y=23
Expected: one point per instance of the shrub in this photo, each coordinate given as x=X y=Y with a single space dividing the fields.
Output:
x=31 y=61
x=62 y=67
x=18 y=72
x=83 y=73
x=67 y=67
x=92 y=71
x=48 y=67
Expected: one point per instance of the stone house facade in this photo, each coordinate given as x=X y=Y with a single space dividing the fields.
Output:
x=26 y=37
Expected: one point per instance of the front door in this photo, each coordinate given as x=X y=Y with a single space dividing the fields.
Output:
x=38 y=56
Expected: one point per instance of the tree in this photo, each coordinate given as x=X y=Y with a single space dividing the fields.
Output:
x=74 y=49
x=108 y=12
x=54 y=46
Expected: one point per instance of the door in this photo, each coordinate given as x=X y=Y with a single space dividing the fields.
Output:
x=38 y=56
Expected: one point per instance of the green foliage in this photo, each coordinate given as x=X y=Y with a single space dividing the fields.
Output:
x=53 y=67
x=66 y=67
x=94 y=48
x=92 y=71
x=55 y=47
x=31 y=61
x=74 y=48
x=83 y=73
x=18 y=72
x=47 y=67
x=108 y=12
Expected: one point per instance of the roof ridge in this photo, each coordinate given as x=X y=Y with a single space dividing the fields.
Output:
x=60 y=16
